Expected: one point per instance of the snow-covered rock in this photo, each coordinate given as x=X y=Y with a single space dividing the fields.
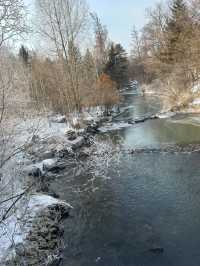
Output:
x=58 y=119
x=77 y=143
x=71 y=135
x=49 y=164
x=32 y=170
x=46 y=155
x=164 y=115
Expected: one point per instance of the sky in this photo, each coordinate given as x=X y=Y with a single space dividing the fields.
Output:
x=119 y=16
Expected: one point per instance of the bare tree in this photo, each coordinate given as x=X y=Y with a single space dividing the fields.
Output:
x=101 y=45
x=62 y=22
x=12 y=20
x=136 y=44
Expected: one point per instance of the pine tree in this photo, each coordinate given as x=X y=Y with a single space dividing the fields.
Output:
x=175 y=29
x=117 y=65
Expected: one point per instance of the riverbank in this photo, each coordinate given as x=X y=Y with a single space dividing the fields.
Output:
x=32 y=215
x=174 y=101
x=54 y=150
x=150 y=184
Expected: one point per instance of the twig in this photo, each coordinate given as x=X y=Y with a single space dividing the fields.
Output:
x=18 y=197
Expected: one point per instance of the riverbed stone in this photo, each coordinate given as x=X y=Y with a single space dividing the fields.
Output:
x=46 y=155
x=58 y=119
x=71 y=135
x=78 y=143
x=33 y=170
x=49 y=164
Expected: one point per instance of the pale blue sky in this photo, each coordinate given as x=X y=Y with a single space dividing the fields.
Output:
x=119 y=16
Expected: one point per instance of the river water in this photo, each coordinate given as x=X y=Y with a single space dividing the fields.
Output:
x=135 y=203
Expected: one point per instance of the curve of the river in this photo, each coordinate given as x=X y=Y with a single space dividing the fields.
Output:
x=140 y=209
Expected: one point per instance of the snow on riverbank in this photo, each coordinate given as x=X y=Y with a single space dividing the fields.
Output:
x=42 y=140
x=15 y=229
x=164 y=115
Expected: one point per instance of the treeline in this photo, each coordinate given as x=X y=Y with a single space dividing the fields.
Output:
x=167 y=49
x=68 y=74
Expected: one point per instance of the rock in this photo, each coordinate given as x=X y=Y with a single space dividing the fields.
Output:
x=53 y=194
x=83 y=155
x=58 y=119
x=78 y=143
x=33 y=170
x=49 y=164
x=92 y=128
x=71 y=135
x=20 y=249
x=52 y=165
x=46 y=155
x=35 y=138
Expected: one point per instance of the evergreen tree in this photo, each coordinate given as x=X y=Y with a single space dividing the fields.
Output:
x=24 y=54
x=117 y=65
x=175 y=30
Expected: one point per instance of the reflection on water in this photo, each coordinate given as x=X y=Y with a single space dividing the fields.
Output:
x=150 y=200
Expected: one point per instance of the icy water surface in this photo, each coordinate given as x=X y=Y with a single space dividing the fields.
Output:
x=134 y=204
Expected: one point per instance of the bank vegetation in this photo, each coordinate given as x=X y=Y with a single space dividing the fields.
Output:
x=166 y=53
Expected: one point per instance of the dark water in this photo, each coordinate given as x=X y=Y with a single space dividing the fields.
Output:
x=138 y=202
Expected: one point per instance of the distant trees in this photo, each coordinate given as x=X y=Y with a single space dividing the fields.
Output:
x=169 y=47
x=117 y=65
x=136 y=64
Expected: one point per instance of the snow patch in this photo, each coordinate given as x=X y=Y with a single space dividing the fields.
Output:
x=196 y=87
x=196 y=101
x=166 y=115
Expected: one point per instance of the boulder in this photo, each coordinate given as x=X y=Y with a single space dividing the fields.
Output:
x=92 y=128
x=49 y=164
x=71 y=135
x=33 y=170
x=58 y=119
x=53 y=165
x=77 y=143
x=46 y=155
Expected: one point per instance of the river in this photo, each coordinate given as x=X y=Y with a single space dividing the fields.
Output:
x=140 y=209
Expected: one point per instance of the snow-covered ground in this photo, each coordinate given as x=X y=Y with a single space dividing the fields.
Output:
x=196 y=87
x=47 y=132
